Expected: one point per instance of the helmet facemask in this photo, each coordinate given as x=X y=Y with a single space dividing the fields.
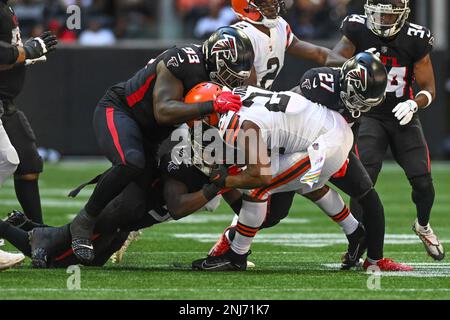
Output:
x=227 y=77
x=270 y=10
x=386 y=20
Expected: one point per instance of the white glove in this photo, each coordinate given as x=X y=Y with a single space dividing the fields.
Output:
x=33 y=61
x=404 y=111
x=373 y=51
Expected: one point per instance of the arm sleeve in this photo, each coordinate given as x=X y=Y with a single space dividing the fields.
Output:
x=8 y=53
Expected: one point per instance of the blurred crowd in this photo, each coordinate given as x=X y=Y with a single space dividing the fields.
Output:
x=103 y=22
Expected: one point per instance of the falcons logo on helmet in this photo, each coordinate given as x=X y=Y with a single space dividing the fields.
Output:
x=358 y=77
x=227 y=47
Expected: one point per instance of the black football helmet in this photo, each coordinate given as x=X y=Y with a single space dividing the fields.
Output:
x=386 y=17
x=363 y=83
x=229 y=57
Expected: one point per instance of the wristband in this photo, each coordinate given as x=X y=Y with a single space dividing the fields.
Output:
x=210 y=191
x=428 y=95
x=206 y=108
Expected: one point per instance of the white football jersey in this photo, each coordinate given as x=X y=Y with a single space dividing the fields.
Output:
x=287 y=120
x=269 y=51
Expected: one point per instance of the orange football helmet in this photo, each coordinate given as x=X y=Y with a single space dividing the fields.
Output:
x=264 y=12
x=203 y=92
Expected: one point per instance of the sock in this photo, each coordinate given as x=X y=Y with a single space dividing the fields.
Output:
x=17 y=237
x=27 y=192
x=423 y=196
x=333 y=205
x=374 y=223
x=372 y=261
x=251 y=217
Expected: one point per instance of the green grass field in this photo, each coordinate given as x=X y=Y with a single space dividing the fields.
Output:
x=298 y=259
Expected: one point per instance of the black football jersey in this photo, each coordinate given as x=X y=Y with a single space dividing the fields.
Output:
x=322 y=85
x=192 y=177
x=12 y=80
x=399 y=55
x=186 y=64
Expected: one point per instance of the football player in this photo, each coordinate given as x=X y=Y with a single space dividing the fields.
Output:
x=343 y=90
x=272 y=38
x=136 y=207
x=404 y=48
x=314 y=142
x=14 y=57
x=135 y=116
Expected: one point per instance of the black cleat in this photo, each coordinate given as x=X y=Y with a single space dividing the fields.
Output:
x=229 y=261
x=81 y=230
x=39 y=258
x=17 y=219
x=356 y=247
x=46 y=243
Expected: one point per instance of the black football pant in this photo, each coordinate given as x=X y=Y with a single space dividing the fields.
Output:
x=410 y=150
x=121 y=141
x=357 y=184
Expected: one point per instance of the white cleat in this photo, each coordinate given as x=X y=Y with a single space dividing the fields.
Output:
x=9 y=260
x=431 y=242
x=118 y=255
x=250 y=265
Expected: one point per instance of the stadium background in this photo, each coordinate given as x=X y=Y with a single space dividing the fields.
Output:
x=59 y=97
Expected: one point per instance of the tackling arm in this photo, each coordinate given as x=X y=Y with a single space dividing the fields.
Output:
x=168 y=96
x=257 y=174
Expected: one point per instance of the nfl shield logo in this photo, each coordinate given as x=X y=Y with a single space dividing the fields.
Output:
x=384 y=50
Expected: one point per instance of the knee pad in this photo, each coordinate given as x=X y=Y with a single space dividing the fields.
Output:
x=9 y=160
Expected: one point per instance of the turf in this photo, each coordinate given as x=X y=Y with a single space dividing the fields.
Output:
x=298 y=259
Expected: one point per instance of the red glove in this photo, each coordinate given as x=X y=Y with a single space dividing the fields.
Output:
x=227 y=101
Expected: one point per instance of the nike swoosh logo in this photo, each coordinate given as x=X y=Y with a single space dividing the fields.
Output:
x=86 y=246
x=353 y=257
x=207 y=266
x=179 y=58
x=315 y=83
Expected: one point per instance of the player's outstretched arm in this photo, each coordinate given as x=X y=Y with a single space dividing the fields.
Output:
x=344 y=48
x=321 y=55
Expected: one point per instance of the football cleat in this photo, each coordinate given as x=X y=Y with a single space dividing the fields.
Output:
x=356 y=247
x=9 y=260
x=118 y=255
x=229 y=261
x=432 y=245
x=386 y=264
x=17 y=219
x=81 y=230
x=222 y=245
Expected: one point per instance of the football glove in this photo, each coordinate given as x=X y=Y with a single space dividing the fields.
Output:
x=227 y=101
x=404 y=111
x=40 y=46
x=219 y=175
x=373 y=51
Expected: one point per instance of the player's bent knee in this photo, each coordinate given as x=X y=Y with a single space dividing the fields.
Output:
x=27 y=177
x=135 y=159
